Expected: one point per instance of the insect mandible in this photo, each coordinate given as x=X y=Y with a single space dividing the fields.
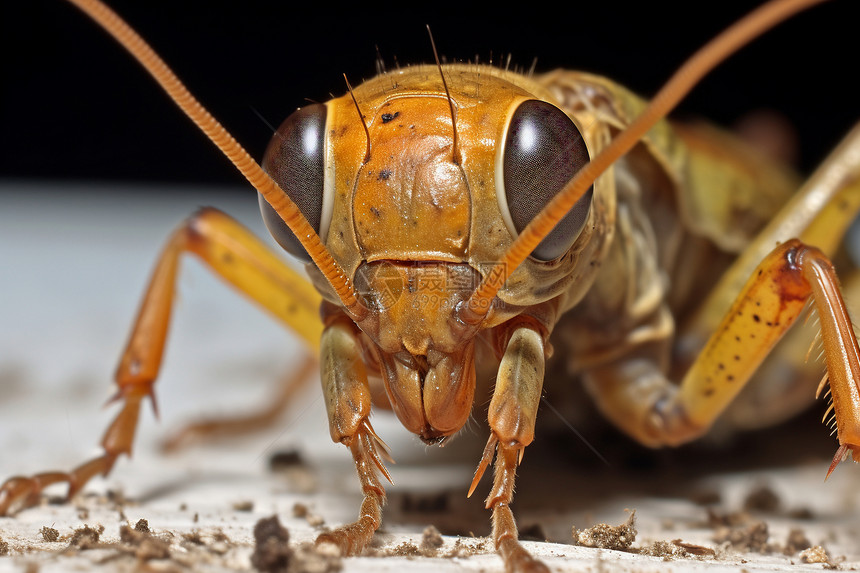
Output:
x=403 y=308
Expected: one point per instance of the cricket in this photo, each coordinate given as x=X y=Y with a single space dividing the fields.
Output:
x=461 y=223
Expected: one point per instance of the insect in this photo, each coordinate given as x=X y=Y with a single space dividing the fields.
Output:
x=468 y=256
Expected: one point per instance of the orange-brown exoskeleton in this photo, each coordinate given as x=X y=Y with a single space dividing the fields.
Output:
x=457 y=216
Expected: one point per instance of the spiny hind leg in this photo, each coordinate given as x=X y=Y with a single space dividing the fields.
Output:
x=239 y=258
x=781 y=387
x=638 y=397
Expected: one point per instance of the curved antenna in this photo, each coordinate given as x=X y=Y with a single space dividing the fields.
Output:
x=456 y=143
x=265 y=185
x=679 y=85
x=360 y=118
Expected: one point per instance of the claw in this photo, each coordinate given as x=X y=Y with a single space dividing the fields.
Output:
x=841 y=455
x=369 y=441
x=486 y=458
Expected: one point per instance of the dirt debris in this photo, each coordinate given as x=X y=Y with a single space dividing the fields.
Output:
x=762 y=499
x=605 y=536
x=297 y=472
x=280 y=461
x=668 y=550
x=243 y=505
x=49 y=534
x=464 y=549
x=796 y=542
x=312 y=558
x=430 y=503
x=815 y=554
x=706 y=497
x=86 y=537
x=676 y=549
x=141 y=542
x=271 y=551
x=803 y=513
x=751 y=538
x=431 y=539
x=302 y=511
x=194 y=537
x=404 y=549
x=719 y=519
x=533 y=532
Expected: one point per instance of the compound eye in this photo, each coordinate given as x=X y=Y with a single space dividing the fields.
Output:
x=295 y=159
x=543 y=150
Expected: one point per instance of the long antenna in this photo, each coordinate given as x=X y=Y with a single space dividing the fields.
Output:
x=456 y=144
x=360 y=118
x=679 y=85
x=265 y=185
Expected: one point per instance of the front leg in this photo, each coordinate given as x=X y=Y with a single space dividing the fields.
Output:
x=348 y=401
x=512 y=415
x=234 y=254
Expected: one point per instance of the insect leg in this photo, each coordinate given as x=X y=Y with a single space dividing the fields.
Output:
x=294 y=381
x=512 y=415
x=238 y=257
x=781 y=387
x=818 y=214
x=641 y=400
x=348 y=402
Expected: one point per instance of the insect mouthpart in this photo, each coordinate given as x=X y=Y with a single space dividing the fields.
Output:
x=425 y=361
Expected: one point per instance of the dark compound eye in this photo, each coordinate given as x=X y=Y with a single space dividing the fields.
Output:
x=543 y=150
x=295 y=158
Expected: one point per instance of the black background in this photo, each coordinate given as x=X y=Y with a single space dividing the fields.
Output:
x=74 y=106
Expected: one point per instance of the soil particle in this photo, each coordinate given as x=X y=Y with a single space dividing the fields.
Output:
x=311 y=558
x=297 y=472
x=434 y=503
x=719 y=520
x=706 y=497
x=143 y=543
x=461 y=549
x=280 y=461
x=405 y=549
x=300 y=510
x=152 y=548
x=801 y=513
x=815 y=554
x=194 y=538
x=797 y=541
x=243 y=505
x=605 y=536
x=762 y=499
x=431 y=540
x=665 y=549
x=49 y=534
x=86 y=537
x=750 y=538
x=668 y=550
x=676 y=549
x=533 y=532
x=271 y=551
